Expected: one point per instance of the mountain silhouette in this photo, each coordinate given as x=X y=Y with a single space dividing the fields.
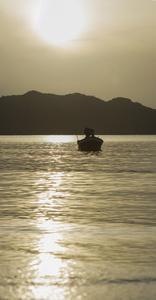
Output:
x=38 y=113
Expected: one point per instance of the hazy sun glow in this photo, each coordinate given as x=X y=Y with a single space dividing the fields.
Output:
x=61 y=21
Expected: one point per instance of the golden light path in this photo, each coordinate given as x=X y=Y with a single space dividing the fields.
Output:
x=59 y=138
x=48 y=265
x=51 y=264
x=60 y=21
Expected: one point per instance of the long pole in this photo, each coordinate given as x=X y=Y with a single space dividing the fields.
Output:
x=76 y=135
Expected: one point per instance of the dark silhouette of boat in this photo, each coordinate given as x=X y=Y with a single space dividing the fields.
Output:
x=90 y=142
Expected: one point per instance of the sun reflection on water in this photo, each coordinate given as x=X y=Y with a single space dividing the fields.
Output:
x=50 y=187
x=50 y=268
x=49 y=265
x=59 y=138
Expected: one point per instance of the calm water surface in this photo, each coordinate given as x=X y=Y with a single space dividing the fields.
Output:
x=77 y=225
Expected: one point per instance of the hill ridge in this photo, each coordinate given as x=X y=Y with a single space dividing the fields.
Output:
x=45 y=113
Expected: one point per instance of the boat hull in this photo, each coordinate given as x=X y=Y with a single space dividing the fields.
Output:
x=90 y=144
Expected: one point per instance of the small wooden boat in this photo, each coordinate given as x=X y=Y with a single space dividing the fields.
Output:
x=90 y=142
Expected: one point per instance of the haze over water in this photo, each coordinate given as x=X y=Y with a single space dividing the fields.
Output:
x=77 y=225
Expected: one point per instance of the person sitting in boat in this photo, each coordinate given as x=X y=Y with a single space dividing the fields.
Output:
x=89 y=132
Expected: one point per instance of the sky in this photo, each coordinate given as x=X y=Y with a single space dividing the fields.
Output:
x=103 y=48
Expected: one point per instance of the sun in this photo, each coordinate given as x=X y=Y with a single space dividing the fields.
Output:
x=61 y=21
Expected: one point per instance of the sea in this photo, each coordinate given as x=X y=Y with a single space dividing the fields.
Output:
x=77 y=225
